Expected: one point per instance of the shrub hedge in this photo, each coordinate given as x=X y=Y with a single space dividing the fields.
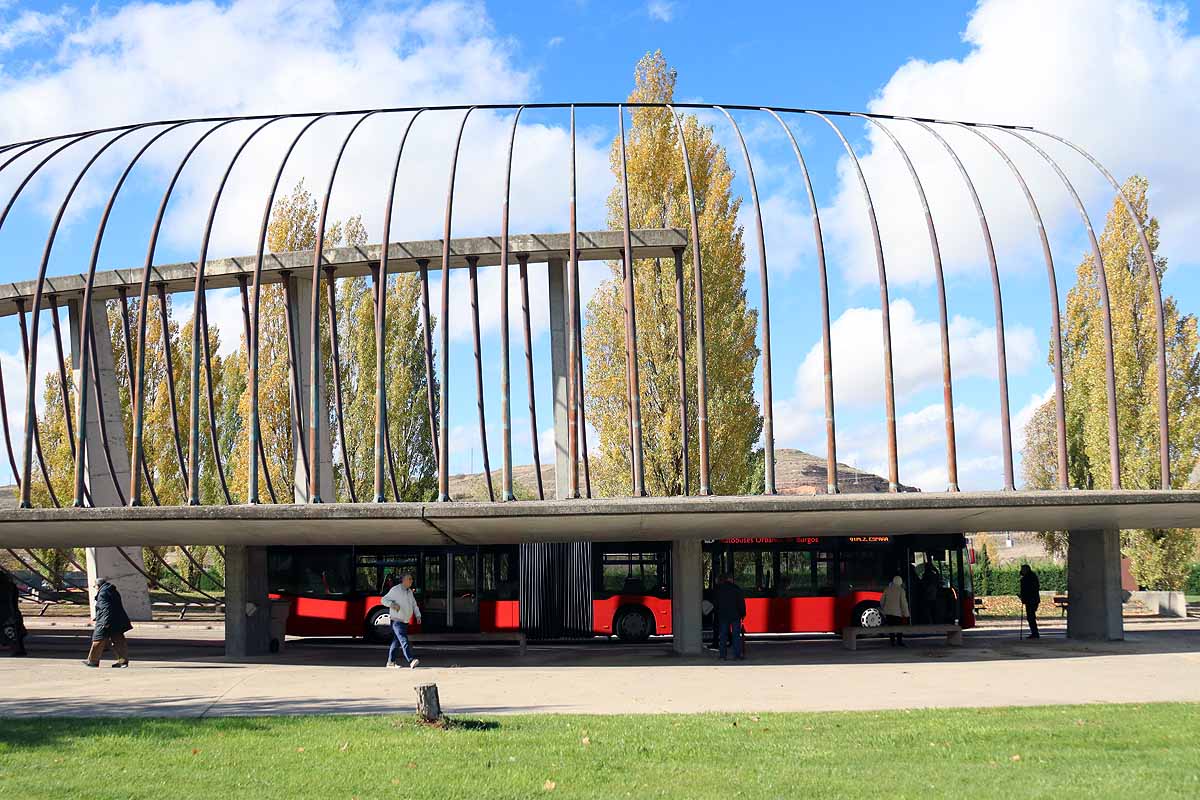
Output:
x=1193 y=581
x=993 y=580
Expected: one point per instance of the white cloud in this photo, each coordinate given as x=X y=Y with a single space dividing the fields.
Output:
x=857 y=344
x=27 y=27
x=1118 y=77
x=661 y=10
x=555 y=41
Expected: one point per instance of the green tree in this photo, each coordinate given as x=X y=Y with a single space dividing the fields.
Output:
x=658 y=198
x=1039 y=466
x=1159 y=557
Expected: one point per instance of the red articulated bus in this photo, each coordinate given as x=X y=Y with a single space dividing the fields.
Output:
x=792 y=585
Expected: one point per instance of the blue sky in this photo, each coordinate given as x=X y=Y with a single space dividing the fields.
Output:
x=1118 y=77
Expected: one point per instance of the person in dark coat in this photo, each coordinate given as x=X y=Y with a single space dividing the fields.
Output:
x=12 y=625
x=1031 y=598
x=730 y=611
x=111 y=623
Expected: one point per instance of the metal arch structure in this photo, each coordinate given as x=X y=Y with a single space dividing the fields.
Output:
x=562 y=252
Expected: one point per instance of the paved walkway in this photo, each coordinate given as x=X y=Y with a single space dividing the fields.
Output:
x=180 y=671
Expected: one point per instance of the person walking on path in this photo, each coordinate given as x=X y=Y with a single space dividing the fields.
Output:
x=402 y=607
x=894 y=605
x=731 y=610
x=1031 y=598
x=111 y=623
x=12 y=625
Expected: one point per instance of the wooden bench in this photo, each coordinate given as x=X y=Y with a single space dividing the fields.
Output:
x=1062 y=602
x=850 y=634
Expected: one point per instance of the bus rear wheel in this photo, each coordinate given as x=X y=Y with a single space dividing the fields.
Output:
x=379 y=626
x=633 y=625
x=868 y=615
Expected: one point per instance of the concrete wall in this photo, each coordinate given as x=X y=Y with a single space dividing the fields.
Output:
x=1165 y=604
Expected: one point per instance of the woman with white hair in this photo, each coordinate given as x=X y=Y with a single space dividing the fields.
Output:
x=894 y=605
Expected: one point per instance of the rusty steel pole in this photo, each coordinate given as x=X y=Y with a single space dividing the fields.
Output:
x=1055 y=330
x=681 y=359
x=523 y=268
x=889 y=388
x=631 y=349
x=572 y=333
x=506 y=478
x=831 y=473
x=473 y=272
x=698 y=281
x=335 y=363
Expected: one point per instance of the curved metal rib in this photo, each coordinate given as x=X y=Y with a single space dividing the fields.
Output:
x=68 y=418
x=212 y=410
x=336 y=364
x=301 y=448
x=1164 y=457
x=764 y=319
x=831 y=477
x=138 y=387
x=88 y=335
x=633 y=384
x=252 y=477
x=317 y=254
x=444 y=407
x=523 y=268
x=193 y=482
x=506 y=480
x=943 y=322
x=31 y=375
x=701 y=347
x=1114 y=444
x=889 y=389
x=262 y=452
x=382 y=434
x=122 y=293
x=1055 y=331
x=427 y=334
x=681 y=362
x=473 y=269
x=37 y=432
x=572 y=326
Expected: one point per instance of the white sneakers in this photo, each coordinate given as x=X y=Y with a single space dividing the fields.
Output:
x=414 y=663
x=390 y=664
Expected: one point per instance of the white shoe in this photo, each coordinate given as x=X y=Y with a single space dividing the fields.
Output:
x=413 y=664
x=392 y=665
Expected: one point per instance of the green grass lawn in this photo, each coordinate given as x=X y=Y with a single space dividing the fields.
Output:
x=1066 y=751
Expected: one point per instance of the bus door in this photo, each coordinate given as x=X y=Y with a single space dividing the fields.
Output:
x=451 y=592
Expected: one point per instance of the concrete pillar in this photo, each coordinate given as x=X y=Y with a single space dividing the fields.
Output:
x=247 y=607
x=301 y=297
x=559 y=344
x=1094 y=585
x=107 y=562
x=687 y=586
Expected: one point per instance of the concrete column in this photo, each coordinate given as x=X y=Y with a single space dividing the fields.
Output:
x=1094 y=585
x=556 y=271
x=247 y=607
x=687 y=586
x=107 y=562
x=301 y=296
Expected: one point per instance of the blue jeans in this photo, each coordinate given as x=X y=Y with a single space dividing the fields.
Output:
x=400 y=638
x=728 y=630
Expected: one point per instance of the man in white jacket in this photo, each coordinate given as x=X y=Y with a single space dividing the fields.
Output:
x=402 y=607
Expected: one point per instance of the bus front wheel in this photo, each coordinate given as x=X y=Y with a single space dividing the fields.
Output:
x=379 y=626
x=868 y=615
x=633 y=624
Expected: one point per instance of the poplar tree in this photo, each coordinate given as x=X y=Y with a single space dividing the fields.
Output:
x=658 y=198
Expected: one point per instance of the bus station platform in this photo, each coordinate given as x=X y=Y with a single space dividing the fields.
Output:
x=179 y=669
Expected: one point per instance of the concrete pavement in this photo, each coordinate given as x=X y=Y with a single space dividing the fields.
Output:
x=180 y=670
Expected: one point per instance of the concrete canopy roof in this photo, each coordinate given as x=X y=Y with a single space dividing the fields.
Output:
x=612 y=519
x=353 y=261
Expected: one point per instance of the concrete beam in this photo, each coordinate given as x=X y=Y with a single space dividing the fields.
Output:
x=353 y=261
x=107 y=562
x=644 y=519
x=1094 y=585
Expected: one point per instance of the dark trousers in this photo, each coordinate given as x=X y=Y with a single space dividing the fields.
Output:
x=894 y=638
x=1031 y=615
x=730 y=629
x=400 y=639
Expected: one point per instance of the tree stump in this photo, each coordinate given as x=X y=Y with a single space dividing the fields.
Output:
x=429 y=707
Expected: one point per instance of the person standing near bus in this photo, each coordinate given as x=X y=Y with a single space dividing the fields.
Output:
x=894 y=605
x=402 y=608
x=111 y=624
x=12 y=626
x=1031 y=598
x=731 y=610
